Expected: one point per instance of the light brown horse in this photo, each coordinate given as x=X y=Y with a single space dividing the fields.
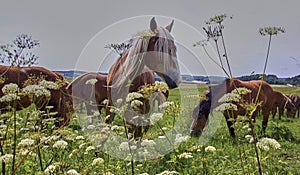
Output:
x=201 y=112
x=89 y=89
x=60 y=99
x=282 y=102
x=296 y=100
x=154 y=50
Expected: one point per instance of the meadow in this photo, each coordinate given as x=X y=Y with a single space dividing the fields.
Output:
x=47 y=149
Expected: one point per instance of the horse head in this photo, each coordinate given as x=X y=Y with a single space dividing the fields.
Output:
x=200 y=117
x=161 y=54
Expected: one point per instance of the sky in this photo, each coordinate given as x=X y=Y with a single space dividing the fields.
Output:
x=73 y=33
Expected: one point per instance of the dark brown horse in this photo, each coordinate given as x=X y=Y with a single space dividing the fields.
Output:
x=282 y=102
x=154 y=50
x=201 y=112
x=296 y=100
x=89 y=89
x=60 y=98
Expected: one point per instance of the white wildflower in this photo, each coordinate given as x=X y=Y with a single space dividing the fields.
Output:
x=36 y=90
x=26 y=142
x=210 y=149
x=147 y=142
x=119 y=101
x=162 y=137
x=133 y=147
x=72 y=172
x=241 y=91
x=6 y=158
x=179 y=138
x=50 y=169
x=161 y=86
x=89 y=148
x=115 y=127
x=81 y=145
x=249 y=138
x=167 y=172
x=105 y=102
x=226 y=106
x=92 y=81
x=133 y=95
x=124 y=146
x=155 y=117
x=266 y=143
x=97 y=161
x=9 y=98
x=229 y=97
x=61 y=144
x=91 y=127
x=79 y=138
x=185 y=155
x=144 y=174
x=166 y=104
x=49 y=84
x=136 y=103
x=10 y=88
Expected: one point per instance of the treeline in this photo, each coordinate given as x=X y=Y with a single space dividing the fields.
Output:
x=272 y=79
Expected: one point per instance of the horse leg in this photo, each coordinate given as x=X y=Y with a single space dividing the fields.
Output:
x=230 y=126
x=266 y=114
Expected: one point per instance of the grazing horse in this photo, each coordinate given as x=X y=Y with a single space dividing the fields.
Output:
x=282 y=102
x=201 y=111
x=152 y=49
x=89 y=89
x=60 y=98
x=296 y=100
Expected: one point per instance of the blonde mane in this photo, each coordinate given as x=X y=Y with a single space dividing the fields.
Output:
x=131 y=63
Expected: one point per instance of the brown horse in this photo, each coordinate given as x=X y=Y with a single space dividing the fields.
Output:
x=89 y=89
x=60 y=99
x=296 y=100
x=201 y=112
x=152 y=49
x=282 y=102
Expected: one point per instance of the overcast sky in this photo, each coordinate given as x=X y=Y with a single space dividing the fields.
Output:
x=73 y=34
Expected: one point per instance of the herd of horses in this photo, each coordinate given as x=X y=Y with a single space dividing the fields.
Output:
x=262 y=94
x=150 y=53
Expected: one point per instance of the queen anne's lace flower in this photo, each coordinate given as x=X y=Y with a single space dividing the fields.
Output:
x=72 y=172
x=133 y=95
x=179 y=138
x=10 y=88
x=36 y=90
x=49 y=84
x=167 y=172
x=61 y=144
x=124 y=146
x=9 y=98
x=210 y=149
x=6 y=158
x=147 y=142
x=155 y=117
x=226 y=106
x=161 y=86
x=97 y=161
x=50 y=169
x=166 y=104
x=266 y=143
x=241 y=91
x=26 y=142
x=185 y=155
x=229 y=97
x=136 y=103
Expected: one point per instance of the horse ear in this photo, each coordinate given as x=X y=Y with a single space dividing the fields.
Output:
x=153 y=25
x=169 y=27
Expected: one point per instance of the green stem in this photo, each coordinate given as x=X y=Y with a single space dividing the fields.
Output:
x=225 y=53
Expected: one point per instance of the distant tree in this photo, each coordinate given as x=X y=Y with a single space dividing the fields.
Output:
x=17 y=53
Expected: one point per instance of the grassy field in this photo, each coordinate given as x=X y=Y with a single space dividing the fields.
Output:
x=75 y=149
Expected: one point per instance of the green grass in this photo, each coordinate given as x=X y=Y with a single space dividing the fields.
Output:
x=225 y=160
